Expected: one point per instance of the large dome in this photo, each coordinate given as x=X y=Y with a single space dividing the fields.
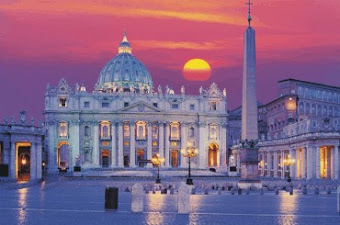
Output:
x=124 y=73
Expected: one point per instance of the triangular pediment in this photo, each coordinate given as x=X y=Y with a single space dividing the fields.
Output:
x=141 y=107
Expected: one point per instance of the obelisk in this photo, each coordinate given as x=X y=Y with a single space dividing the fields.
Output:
x=248 y=149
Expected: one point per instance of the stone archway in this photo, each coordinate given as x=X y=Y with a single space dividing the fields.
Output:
x=63 y=156
x=23 y=161
x=212 y=155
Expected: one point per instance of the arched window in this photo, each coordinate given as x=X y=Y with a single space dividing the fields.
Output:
x=87 y=131
x=307 y=108
x=213 y=131
x=154 y=131
x=105 y=129
x=63 y=129
x=313 y=110
x=141 y=130
x=191 y=132
x=174 y=131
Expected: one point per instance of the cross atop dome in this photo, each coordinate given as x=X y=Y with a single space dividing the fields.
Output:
x=124 y=46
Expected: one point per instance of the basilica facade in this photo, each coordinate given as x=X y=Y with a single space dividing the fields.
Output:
x=124 y=122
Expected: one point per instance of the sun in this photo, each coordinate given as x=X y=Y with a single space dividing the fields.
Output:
x=196 y=70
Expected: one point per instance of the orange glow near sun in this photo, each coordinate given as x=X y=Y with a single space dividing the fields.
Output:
x=196 y=70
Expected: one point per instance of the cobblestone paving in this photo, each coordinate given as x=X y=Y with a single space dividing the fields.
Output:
x=82 y=202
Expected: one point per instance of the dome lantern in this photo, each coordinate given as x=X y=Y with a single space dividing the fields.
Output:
x=124 y=46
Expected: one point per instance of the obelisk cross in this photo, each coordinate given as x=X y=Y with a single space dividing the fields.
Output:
x=249 y=16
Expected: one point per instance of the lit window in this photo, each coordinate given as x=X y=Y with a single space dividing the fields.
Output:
x=86 y=104
x=213 y=131
x=175 y=106
x=154 y=131
x=126 y=130
x=105 y=105
x=62 y=102
x=63 y=129
x=174 y=131
x=105 y=129
x=141 y=130
x=87 y=131
x=154 y=143
x=126 y=143
x=192 y=107
x=213 y=106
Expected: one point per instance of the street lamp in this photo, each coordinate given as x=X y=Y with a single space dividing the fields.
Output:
x=189 y=152
x=288 y=162
x=157 y=161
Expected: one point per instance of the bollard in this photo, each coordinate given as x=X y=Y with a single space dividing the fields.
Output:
x=291 y=191
x=137 y=198
x=338 y=196
x=239 y=191
x=329 y=190
x=168 y=191
x=111 y=198
x=183 y=199
x=223 y=188
x=317 y=190
x=304 y=190
x=276 y=191
x=206 y=191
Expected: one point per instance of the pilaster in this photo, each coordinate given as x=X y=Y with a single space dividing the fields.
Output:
x=95 y=153
x=120 y=145
x=132 y=144
x=114 y=144
x=184 y=134
x=167 y=143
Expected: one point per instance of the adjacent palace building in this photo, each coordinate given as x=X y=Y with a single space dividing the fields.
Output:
x=303 y=124
x=124 y=122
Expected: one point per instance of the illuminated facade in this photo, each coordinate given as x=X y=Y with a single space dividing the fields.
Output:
x=124 y=121
x=21 y=145
x=302 y=123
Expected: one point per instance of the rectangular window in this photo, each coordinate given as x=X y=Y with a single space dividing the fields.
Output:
x=213 y=106
x=63 y=129
x=126 y=104
x=192 y=107
x=155 y=105
x=86 y=104
x=175 y=106
x=62 y=102
x=105 y=105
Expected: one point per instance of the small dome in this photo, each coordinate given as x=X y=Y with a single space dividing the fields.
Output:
x=124 y=73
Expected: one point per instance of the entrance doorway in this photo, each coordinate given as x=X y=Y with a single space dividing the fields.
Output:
x=140 y=157
x=174 y=158
x=63 y=159
x=325 y=162
x=213 y=149
x=23 y=162
x=105 y=158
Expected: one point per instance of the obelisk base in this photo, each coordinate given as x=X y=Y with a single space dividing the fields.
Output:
x=249 y=169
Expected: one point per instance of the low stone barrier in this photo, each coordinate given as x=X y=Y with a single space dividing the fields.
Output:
x=137 y=198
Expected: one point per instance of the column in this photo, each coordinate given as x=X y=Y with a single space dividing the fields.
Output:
x=238 y=162
x=262 y=165
x=202 y=153
x=304 y=162
x=223 y=147
x=114 y=144
x=184 y=134
x=120 y=155
x=336 y=162
x=317 y=160
x=275 y=164
x=311 y=163
x=74 y=139
x=149 y=142
x=39 y=159
x=52 y=148
x=95 y=150
x=12 y=163
x=33 y=161
x=269 y=164
x=291 y=167
x=167 y=143
x=132 y=144
x=282 y=164
x=161 y=139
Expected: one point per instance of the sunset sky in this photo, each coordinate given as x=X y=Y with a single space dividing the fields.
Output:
x=42 y=41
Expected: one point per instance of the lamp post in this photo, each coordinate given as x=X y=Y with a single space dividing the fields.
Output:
x=157 y=161
x=288 y=162
x=189 y=152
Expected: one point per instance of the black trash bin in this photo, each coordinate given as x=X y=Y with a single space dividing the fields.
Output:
x=111 y=198
x=4 y=170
